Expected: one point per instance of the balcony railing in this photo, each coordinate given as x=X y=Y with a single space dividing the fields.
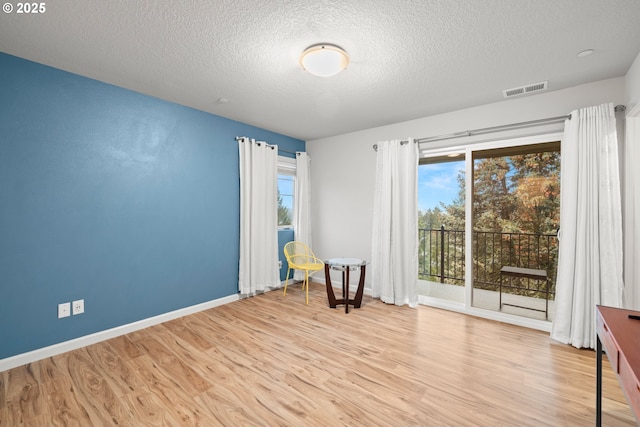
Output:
x=442 y=256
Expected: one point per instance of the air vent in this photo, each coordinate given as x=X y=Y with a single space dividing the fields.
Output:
x=525 y=90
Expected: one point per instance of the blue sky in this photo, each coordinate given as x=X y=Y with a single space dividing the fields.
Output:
x=437 y=183
x=285 y=185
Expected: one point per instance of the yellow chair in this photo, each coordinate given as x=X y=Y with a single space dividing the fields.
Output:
x=300 y=257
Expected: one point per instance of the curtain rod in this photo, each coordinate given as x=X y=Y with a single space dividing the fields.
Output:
x=238 y=138
x=500 y=128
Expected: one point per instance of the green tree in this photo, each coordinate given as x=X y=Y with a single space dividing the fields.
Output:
x=493 y=199
x=454 y=218
x=537 y=191
x=515 y=204
x=516 y=200
x=451 y=216
x=284 y=215
x=431 y=218
x=518 y=193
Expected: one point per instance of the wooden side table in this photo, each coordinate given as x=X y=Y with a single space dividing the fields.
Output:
x=345 y=265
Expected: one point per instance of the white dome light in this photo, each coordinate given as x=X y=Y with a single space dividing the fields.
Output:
x=324 y=60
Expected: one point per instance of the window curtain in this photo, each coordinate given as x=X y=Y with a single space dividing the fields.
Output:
x=394 y=261
x=302 y=204
x=632 y=210
x=258 y=269
x=590 y=249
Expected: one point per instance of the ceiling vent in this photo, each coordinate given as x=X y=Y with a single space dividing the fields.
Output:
x=525 y=90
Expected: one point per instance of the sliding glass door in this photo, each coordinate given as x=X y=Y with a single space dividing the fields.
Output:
x=488 y=225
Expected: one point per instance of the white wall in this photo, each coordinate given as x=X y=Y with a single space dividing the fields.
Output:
x=343 y=167
x=631 y=201
x=632 y=85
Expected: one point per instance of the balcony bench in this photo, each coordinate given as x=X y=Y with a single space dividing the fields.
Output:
x=528 y=273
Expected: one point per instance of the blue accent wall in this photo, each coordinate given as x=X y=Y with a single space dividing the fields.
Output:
x=124 y=200
x=284 y=237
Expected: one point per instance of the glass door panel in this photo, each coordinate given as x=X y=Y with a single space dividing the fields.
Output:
x=516 y=212
x=441 y=223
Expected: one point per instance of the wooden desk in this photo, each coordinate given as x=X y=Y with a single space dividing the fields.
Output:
x=619 y=336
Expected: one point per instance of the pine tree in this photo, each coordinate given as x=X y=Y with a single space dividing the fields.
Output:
x=284 y=216
x=516 y=208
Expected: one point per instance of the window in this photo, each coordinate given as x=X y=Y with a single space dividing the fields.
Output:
x=286 y=189
x=285 y=200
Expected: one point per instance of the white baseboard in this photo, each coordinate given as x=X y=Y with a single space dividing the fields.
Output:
x=63 y=347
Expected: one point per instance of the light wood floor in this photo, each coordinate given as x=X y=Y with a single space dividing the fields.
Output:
x=273 y=361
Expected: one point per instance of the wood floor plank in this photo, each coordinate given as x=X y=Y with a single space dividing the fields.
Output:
x=64 y=409
x=186 y=331
x=177 y=403
x=272 y=360
x=3 y=391
x=121 y=378
x=191 y=382
x=24 y=397
x=50 y=370
x=125 y=347
x=148 y=409
x=94 y=393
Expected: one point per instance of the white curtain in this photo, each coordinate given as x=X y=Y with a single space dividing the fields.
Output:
x=302 y=204
x=590 y=251
x=394 y=261
x=258 y=269
x=632 y=210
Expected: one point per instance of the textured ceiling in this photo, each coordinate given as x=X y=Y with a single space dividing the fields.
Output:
x=409 y=58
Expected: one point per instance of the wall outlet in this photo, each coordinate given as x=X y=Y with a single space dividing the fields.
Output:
x=78 y=307
x=64 y=310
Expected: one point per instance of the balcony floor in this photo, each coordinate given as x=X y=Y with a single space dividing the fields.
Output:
x=488 y=300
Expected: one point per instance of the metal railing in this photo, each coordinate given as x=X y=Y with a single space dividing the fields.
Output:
x=442 y=256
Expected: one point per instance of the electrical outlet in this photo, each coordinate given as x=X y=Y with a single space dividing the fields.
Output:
x=64 y=310
x=78 y=307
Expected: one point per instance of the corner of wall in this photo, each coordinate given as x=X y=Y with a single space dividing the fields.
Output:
x=632 y=84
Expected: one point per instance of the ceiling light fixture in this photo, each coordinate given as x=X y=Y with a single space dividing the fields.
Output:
x=324 y=60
